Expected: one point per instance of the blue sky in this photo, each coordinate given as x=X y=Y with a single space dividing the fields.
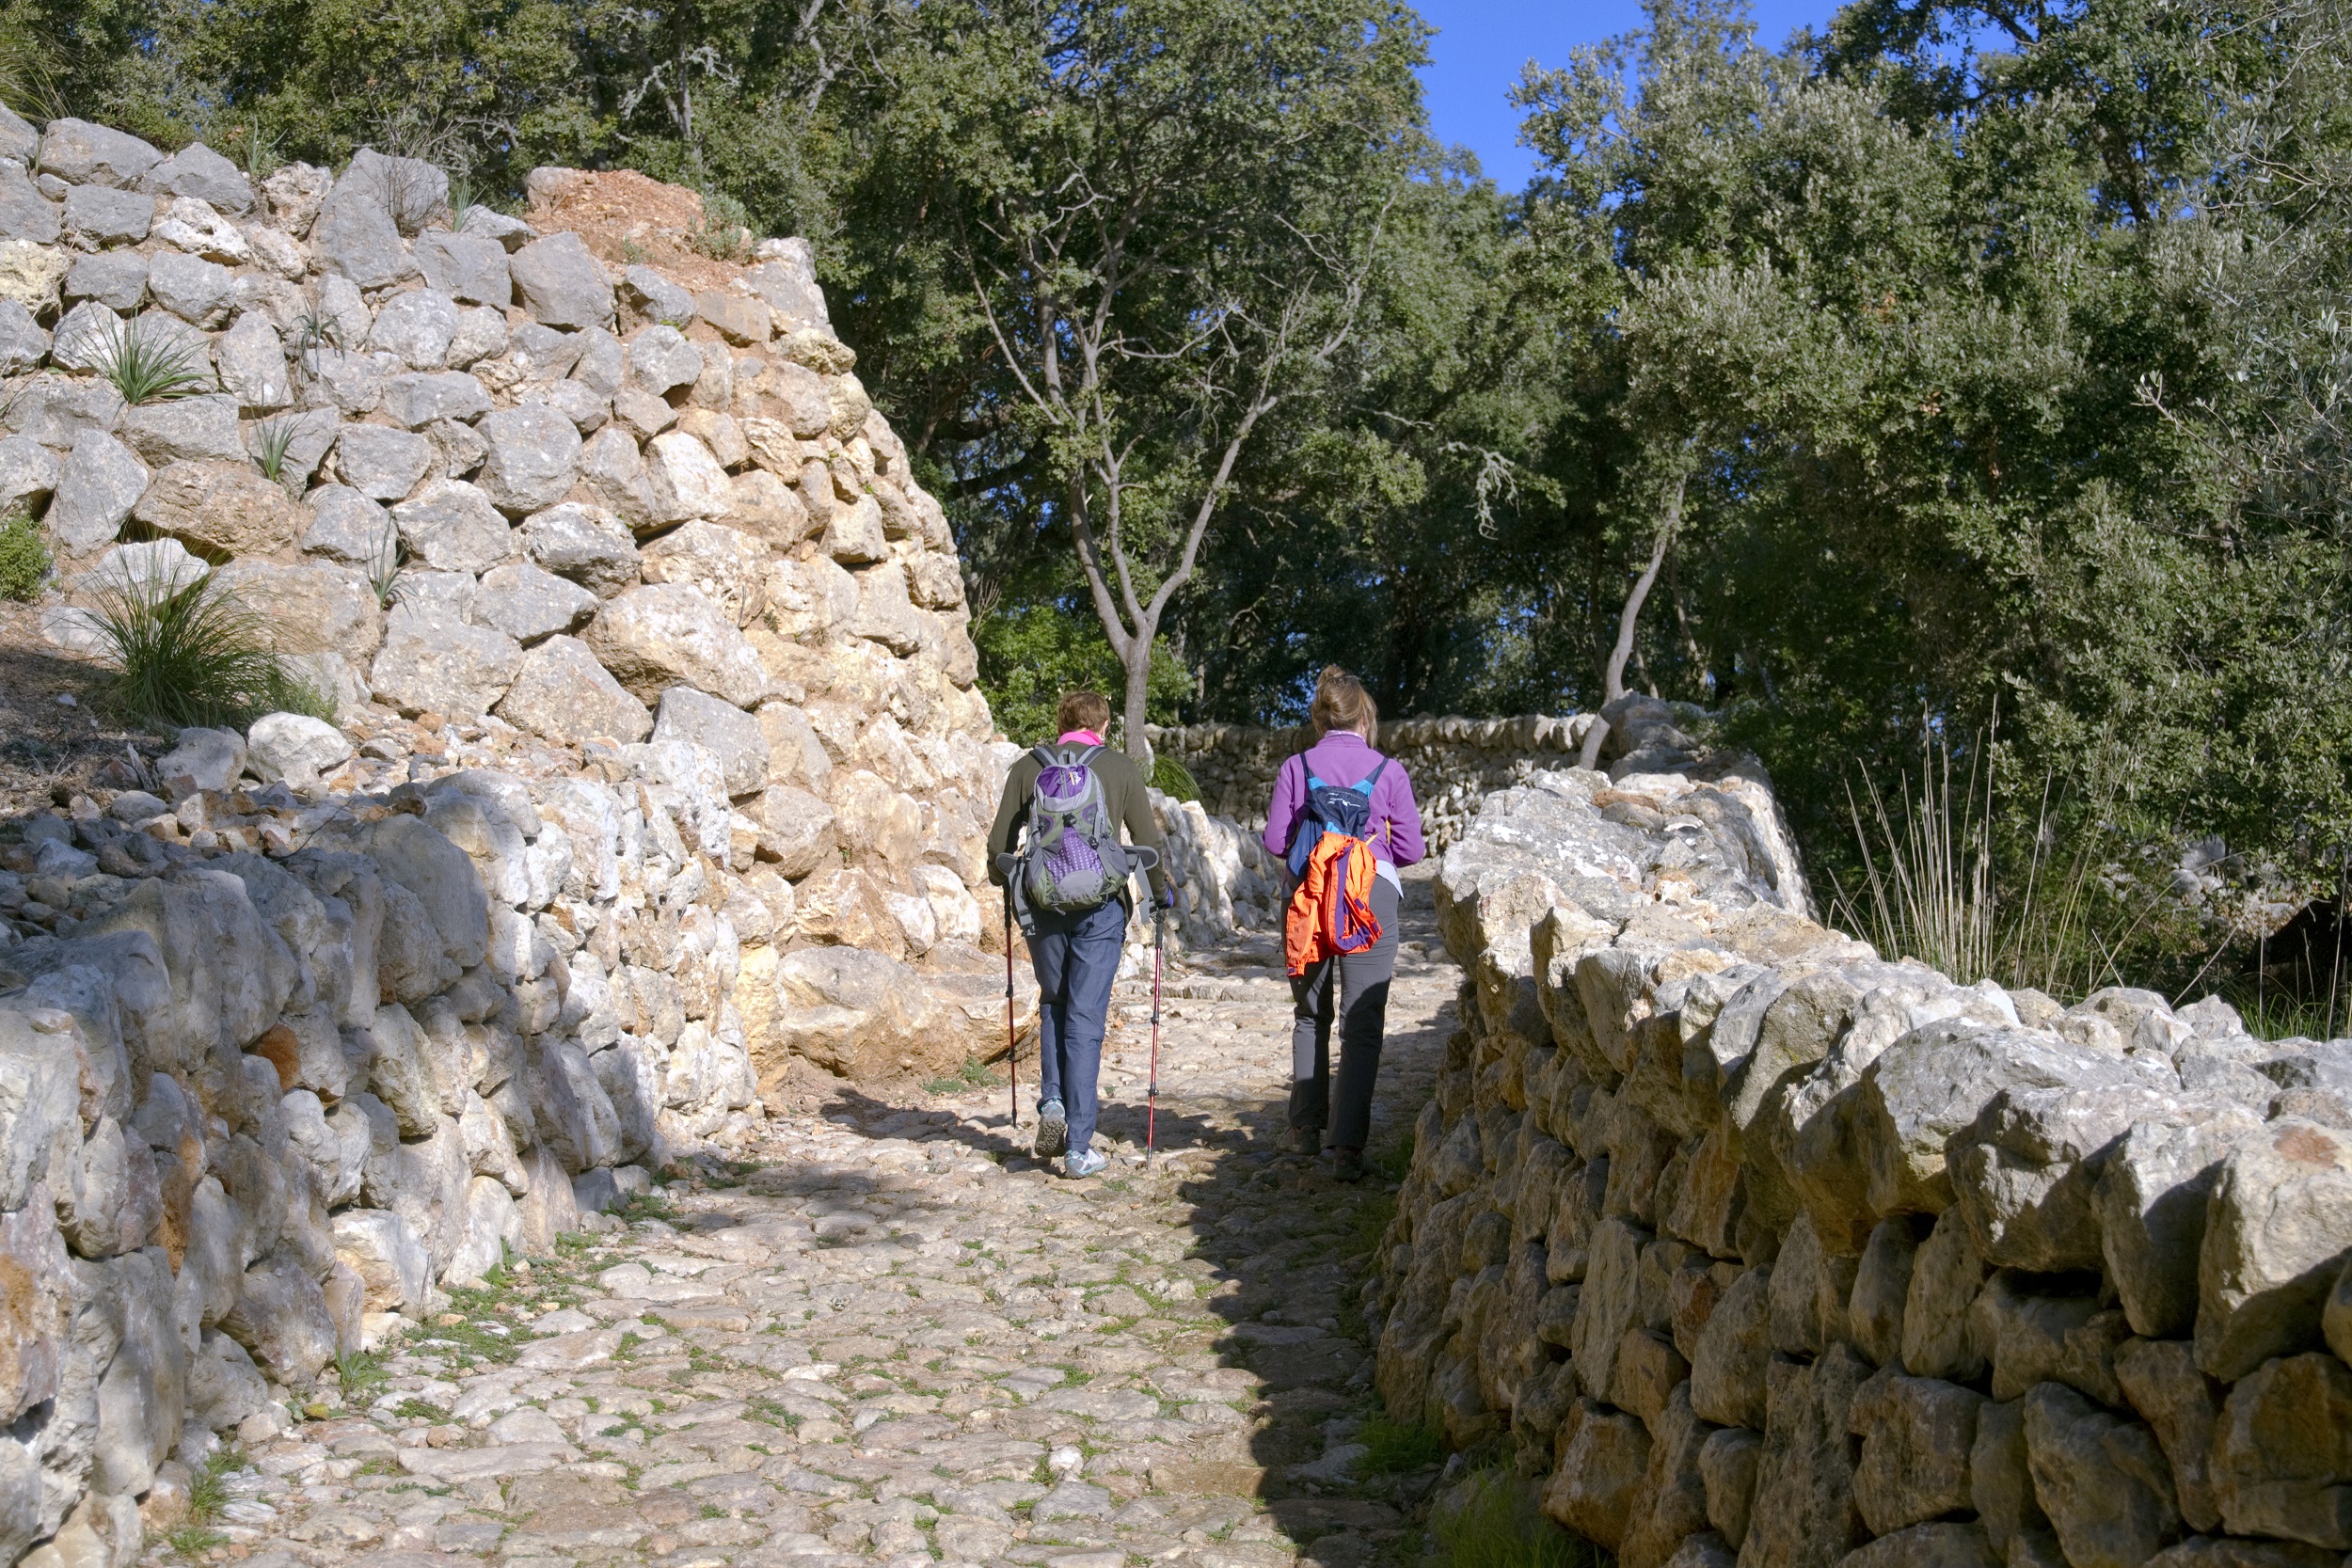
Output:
x=1481 y=46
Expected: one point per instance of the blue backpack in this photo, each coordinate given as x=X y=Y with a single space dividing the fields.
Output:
x=1332 y=808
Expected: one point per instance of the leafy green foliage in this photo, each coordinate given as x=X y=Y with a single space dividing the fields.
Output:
x=186 y=651
x=24 y=560
x=1031 y=654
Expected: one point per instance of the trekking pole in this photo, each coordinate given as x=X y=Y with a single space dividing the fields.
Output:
x=1152 y=1089
x=1012 y=1044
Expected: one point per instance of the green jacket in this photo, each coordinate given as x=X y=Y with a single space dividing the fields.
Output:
x=1123 y=791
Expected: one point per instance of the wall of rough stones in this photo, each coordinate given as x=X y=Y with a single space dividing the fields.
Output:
x=1751 y=1245
x=1455 y=763
x=659 y=771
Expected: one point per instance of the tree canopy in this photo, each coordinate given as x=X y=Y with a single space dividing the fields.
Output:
x=1954 y=361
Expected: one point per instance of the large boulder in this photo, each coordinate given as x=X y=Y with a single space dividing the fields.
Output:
x=451 y=526
x=222 y=509
x=672 y=634
x=562 y=283
x=2278 y=1227
x=533 y=457
x=560 y=691
x=728 y=565
x=2282 y=1453
x=435 y=661
x=585 y=543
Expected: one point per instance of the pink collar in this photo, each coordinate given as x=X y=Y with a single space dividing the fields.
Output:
x=1082 y=738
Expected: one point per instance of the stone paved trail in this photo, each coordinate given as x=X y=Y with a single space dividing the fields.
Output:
x=897 y=1338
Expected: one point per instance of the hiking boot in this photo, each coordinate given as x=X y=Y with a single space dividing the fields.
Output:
x=1084 y=1163
x=1347 y=1164
x=1053 y=1130
x=1307 y=1141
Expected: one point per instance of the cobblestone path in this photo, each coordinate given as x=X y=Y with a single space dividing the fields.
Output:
x=896 y=1337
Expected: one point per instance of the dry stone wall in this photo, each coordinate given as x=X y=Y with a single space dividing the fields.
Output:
x=1755 y=1246
x=659 y=777
x=1455 y=763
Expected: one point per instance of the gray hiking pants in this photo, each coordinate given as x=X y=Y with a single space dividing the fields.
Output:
x=1363 y=1010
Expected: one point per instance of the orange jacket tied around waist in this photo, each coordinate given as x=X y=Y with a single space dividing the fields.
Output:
x=1330 y=910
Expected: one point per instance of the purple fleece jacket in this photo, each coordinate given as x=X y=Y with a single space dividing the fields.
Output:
x=1343 y=758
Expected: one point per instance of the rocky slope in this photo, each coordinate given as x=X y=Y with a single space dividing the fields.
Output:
x=1751 y=1244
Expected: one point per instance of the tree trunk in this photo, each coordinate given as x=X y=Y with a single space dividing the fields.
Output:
x=1629 y=621
x=1138 y=686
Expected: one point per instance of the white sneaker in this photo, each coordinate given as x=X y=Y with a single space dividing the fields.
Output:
x=1085 y=1163
x=1053 y=1130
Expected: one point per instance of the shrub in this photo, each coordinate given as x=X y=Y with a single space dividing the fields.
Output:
x=724 y=232
x=186 y=652
x=152 y=364
x=1173 y=778
x=24 y=557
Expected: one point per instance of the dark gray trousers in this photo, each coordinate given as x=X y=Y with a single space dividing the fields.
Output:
x=1363 y=1009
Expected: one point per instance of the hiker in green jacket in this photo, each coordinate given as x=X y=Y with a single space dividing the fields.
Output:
x=1070 y=889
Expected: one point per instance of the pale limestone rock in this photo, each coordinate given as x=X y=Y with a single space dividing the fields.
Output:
x=2103 y=1482
x=668 y=634
x=729 y=566
x=683 y=480
x=223 y=509
x=584 y=543
x=1916 y=1435
x=2276 y=1228
x=561 y=692
x=295 y=748
x=2281 y=1457
x=434 y=661
x=2151 y=1202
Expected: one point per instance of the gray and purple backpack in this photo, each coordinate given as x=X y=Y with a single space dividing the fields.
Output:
x=1074 y=860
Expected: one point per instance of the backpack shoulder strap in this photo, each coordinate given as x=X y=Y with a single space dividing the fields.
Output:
x=1085 y=758
x=1374 y=777
x=1044 y=754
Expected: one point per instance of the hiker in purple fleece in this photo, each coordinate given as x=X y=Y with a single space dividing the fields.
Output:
x=1346 y=719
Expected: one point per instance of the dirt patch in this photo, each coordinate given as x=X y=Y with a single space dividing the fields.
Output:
x=51 y=751
x=627 y=218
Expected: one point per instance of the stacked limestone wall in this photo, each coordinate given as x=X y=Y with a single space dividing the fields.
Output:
x=1455 y=763
x=657 y=769
x=1756 y=1247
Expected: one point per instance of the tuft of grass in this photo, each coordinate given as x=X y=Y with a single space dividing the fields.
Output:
x=417 y=1410
x=1395 y=1447
x=272 y=440
x=24 y=560
x=1931 y=885
x=723 y=232
x=189 y=653
x=1498 y=1527
x=256 y=150
x=358 y=1371
x=152 y=364
x=972 y=1074
x=1173 y=778
x=462 y=199
x=315 y=329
